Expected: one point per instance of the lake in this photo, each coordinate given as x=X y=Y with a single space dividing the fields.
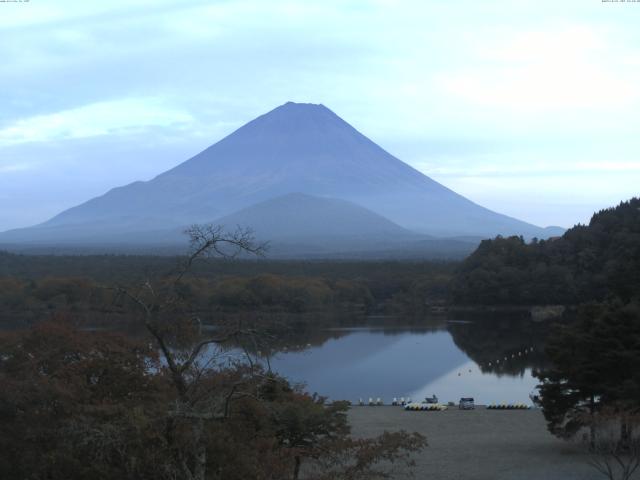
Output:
x=491 y=361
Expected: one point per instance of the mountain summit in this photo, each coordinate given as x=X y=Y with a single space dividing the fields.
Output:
x=295 y=148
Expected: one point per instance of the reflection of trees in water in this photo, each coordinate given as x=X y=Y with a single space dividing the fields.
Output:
x=404 y=324
x=502 y=346
x=411 y=330
x=284 y=332
x=486 y=340
x=278 y=333
x=272 y=332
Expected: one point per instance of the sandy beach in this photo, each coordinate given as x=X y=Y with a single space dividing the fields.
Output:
x=480 y=444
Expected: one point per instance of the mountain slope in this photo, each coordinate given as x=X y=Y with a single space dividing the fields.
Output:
x=294 y=148
x=298 y=216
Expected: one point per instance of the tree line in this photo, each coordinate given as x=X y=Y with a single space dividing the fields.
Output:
x=588 y=263
x=29 y=301
x=34 y=287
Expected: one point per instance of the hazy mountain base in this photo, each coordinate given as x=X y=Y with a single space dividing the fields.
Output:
x=347 y=248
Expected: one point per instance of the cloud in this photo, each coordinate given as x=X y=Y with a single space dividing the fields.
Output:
x=18 y=167
x=528 y=166
x=100 y=118
x=104 y=91
x=547 y=199
x=38 y=14
x=573 y=67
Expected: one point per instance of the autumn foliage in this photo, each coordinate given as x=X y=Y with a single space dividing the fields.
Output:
x=92 y=405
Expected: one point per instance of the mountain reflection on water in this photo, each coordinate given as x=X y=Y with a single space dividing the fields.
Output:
x=490 y=360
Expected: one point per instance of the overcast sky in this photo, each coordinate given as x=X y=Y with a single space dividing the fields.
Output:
x=531 y=108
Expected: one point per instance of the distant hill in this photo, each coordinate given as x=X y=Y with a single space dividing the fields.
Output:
x=300 y=225
x=297 y=216
x=303 y=148
x=588 y=263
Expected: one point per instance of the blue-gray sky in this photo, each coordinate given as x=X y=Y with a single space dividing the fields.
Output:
x=531 y=108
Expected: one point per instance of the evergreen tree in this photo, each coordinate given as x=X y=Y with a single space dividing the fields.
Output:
x=596 y=365
x=595 y=262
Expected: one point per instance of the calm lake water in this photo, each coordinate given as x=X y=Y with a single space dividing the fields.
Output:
x=490 y=361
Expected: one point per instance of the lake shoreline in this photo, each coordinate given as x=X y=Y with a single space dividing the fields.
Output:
x=536 y=313
x=479 y=444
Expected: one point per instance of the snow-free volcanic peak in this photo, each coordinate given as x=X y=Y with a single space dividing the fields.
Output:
x=297 y=147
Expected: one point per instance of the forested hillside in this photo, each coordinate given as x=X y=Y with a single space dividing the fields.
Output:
x=32 y=288
x=588 y=263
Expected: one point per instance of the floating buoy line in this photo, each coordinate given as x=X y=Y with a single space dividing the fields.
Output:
x=513 y=356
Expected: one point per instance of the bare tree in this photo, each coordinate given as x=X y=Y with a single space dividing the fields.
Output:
x=203 y=393
x=178 y=335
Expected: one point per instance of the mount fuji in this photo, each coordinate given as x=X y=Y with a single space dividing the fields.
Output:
x=300 y=164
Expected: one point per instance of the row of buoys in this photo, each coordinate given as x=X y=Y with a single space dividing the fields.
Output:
x=513 y=356
x=430 y=407
x=508 y=406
